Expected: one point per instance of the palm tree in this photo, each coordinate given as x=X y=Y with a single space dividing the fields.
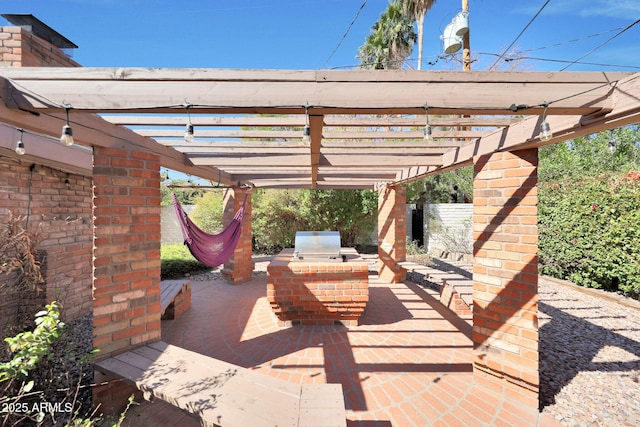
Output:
x=417 y=9
x=390 y=41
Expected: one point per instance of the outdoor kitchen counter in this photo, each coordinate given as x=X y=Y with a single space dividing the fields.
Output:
x=317 y=291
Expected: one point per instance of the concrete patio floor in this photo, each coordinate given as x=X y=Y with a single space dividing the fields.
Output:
x=408 y=362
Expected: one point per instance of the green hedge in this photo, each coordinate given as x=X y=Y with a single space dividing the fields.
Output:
x=590 y=232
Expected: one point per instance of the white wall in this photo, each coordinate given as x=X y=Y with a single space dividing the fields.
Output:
x=169 y=226
x=448 y=227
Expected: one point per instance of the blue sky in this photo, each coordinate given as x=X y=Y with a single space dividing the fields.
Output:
x=303 y=34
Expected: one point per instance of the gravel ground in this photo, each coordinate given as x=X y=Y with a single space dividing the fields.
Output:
x=589 y=356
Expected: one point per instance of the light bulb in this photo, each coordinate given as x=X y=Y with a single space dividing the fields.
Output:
x=20 y=148
x=188 y=133
x=306 y=134
x=545 y=131
x=428 y=133
x=67 y=136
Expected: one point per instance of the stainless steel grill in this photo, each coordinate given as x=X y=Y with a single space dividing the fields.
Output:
x=317 y=244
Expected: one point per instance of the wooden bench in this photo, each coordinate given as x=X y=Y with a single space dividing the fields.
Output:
x=175 y=298
x=226 y=395
x=456 y=290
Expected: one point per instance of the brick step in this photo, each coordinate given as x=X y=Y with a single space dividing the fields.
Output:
x=456 y=290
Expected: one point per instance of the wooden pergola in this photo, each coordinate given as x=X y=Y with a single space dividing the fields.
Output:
x=365 y=132
x=366 y=127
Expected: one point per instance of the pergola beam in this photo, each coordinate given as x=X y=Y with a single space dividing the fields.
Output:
x=296 y=134
x=298 y=121
x=108 y=90
x=366 y=126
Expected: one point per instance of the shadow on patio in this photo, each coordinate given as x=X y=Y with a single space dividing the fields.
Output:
x=408 y=363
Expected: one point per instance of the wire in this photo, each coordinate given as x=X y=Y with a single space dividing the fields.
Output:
x=344 y=36
x=521 y=32
x=602 y=44
x=31 y=169
x=572 y=40
x=533 y=58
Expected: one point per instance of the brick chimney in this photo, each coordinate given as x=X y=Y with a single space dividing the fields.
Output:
x=32 y=43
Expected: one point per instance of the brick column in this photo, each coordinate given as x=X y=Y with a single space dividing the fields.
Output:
x=239 y=268
x=505 y=274
x=392 y=233
x=126 y=266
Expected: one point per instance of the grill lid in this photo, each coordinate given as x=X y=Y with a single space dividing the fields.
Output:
x=317 y=244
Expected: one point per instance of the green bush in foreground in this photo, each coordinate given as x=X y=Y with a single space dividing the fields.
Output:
x=590 y=232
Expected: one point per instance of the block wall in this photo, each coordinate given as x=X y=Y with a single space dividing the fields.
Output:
x=239 y=268
x=392 y=233
x=505 y=273
x=20 y=48
x=58 y=207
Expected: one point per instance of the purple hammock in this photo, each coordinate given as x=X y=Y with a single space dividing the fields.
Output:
x=210 y=249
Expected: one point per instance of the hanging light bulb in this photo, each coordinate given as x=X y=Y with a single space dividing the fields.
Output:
x=67 y=136
x=306 y=132
x=188 y=133
x=20 y=145
x=545 y=129
x=67 y=133
x=188 y=130
x=428 y=132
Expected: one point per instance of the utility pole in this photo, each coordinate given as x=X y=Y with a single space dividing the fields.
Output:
x=466 y=53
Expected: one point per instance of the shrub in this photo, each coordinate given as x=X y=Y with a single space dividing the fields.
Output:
x=176 y=261
x=19 y=254
x=351 y=212
x=46 y=376
x=589 y=232
x=208 y=212
x=278 y=214
x=276 y=218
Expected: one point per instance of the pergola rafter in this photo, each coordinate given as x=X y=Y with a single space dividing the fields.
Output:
x=366 y=126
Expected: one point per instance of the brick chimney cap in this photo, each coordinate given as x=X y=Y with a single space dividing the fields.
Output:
x=40 y=29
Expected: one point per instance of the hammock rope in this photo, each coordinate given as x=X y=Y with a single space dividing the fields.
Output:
x=210 y=249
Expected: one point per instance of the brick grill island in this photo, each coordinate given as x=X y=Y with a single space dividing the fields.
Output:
x=318 y=291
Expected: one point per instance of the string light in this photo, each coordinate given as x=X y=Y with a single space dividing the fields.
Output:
x=545 y=129
x=188 y=130
x=67 y=133
x=306 y=133
x=428 y=132
x=20 y=145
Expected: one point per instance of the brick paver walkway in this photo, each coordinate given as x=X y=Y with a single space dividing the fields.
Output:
x=408 y=363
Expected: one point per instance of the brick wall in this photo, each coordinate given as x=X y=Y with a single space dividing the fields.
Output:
x=239 y=268
x=392 y=233
x=59 y=209
x=20 y=48
x=317 y=292
x=59 y=202
x=505 y=274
